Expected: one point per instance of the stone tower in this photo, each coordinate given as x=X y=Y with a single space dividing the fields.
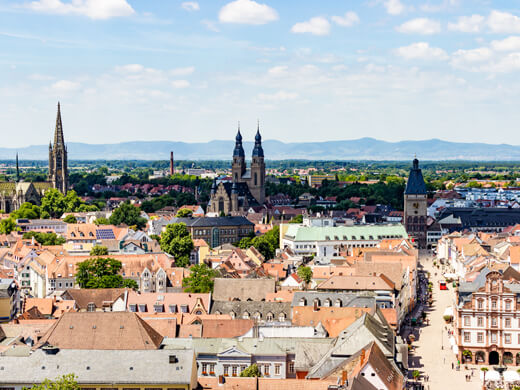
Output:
x=415 y=205
x=58 y=172
x=238 y=167
x=257 y=183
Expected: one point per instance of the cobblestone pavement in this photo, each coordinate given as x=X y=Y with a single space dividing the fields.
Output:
x=432 y=354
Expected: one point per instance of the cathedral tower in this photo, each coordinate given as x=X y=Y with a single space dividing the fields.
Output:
x=58 y=172
x=257 y=183
x=238 y=167
x=415 y=205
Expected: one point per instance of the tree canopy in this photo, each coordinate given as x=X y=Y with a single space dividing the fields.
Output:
x=102 y=273
x=201 y=279
x=27 y=211
x=127 y=214
x=70 y=219
x=251 y=371
x=305 y=274
x=8 y=225
x=54 y=204
x=65 y=382
x=45 y=238
x=176 y=241
x=184 y=213
x=99 y=250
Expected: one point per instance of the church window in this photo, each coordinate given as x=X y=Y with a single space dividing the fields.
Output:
x=256 y=178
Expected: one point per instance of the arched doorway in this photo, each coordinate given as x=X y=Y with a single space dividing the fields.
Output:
x=494 y=357
x=518 y=358
x=480 y=357
x=507 y=358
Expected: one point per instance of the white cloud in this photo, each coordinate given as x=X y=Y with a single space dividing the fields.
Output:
x=94 y=9
x=190 y=6
x=439 y=6
x=182 y=71
x=247 y=12
x=278 y=96
x=180 y=83
x=65 y=86
x=394 y=7
x=210 y=25
x=508 y=44
x=503 y=22
x=316 y=26
x=423 y=51
x=423 y=26
x=349 y=19
x=472 y=59
x=130 y=68
x=469 y=24
x=278 y=70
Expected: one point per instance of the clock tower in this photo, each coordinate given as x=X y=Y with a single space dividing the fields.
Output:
x=415 y=206
x=58 y=172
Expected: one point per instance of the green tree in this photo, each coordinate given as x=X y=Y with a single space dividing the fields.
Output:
x=251 y=371
x=70 y=219
x=127 y=214
x=297 y=219
x=28 y=211
x=53 y=203
x=416 y=374
x=268 y=243
x=72 y=201
x=184 y=213
x=65 y=382
x=305 y=274
x=102 y=221
x=176 y=241
x=45 y=238
x=7 y=225
x=201 y=279
x=245 y=243
x=99 y=250
x=102 y=273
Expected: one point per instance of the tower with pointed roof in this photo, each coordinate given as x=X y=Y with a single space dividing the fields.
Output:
x=257 y=181
x=416 y=206
x=238 y=166
x=58 y=171
x=17 y=169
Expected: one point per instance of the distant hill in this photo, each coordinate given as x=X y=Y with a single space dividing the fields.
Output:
x=359 y=149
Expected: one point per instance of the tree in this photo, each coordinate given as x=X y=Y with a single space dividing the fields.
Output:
x=53 y=203
x=416 y=374
x=102 y=221
x=297 y=219
x=127 y=214
x=102 y=273
x=99 y=250
x=65 y=382
x=70 y=219
x=45 y=238
x=72 y=201
x=7 y=225
x=305 y=274
x=484 y=370
x=268 y=243
x=176 y=241
x=184 y=213
x=251 y=371
x=200 y=279
x=27 y=211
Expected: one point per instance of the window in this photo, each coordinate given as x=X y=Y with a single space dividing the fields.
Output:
x=480 y=337
x=493 y=321
x=508 y=323
x=467 y=321
x=480 y=321
x=270 y=316
x=467 y=337
x=235 y=370
x=133 y=308
x=493 y=337
x=184 y=308
x=212 y=369
x=494 y=304
x=277 y=369
x=480 y=304
x=507 y=338
x=266 y=370
x=204 y=368
x=226 y=369
x=173 y=308
x=158 y=308
x=291 y=363
x=91 y=307
x=142 y=308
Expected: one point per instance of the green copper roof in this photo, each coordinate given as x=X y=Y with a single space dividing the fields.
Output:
x=345 y=233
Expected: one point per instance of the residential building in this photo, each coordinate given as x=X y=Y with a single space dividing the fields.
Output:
x=242 y=289
x=9 y=300
x=260 y=312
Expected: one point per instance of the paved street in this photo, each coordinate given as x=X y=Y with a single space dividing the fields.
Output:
x=432 y=355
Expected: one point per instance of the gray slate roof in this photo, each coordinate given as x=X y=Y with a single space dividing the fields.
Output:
x=239 y=307
x=347 y=300
x=100 y=367
x=214 y=221
x=415 y=184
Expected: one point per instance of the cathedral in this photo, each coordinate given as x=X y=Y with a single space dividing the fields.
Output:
x=14 y=194
x=415 y=205
x=247 y=186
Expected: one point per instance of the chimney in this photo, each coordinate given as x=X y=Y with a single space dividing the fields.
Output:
x=362 y=356
x=344 y=377
x=315 y=306
x=172 y=168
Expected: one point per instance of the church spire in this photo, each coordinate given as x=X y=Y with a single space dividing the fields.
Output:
x=58 y=132
x=239 y=150
x=258 y=151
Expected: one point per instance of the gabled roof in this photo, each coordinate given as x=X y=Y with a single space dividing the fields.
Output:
x=99 y=297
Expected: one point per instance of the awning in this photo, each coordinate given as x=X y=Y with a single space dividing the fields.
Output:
x=511 y=376
x=449 y=311
x=455 y=349
x=491 y=375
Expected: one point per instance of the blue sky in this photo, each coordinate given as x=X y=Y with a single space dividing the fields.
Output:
x=308 y=70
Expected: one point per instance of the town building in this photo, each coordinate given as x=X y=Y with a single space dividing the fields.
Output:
x=415 y=205
x=486 y=319
x=247 y=186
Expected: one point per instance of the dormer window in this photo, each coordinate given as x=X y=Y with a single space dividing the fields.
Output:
x=158 y=308
x=133 y=308
x=173 y=308
x=142 y=308
x=184 y=308
x=91 y=307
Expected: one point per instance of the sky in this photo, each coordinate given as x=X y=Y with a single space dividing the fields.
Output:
x=127 y=70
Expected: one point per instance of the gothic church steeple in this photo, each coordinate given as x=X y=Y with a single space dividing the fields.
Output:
x=58 y=170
